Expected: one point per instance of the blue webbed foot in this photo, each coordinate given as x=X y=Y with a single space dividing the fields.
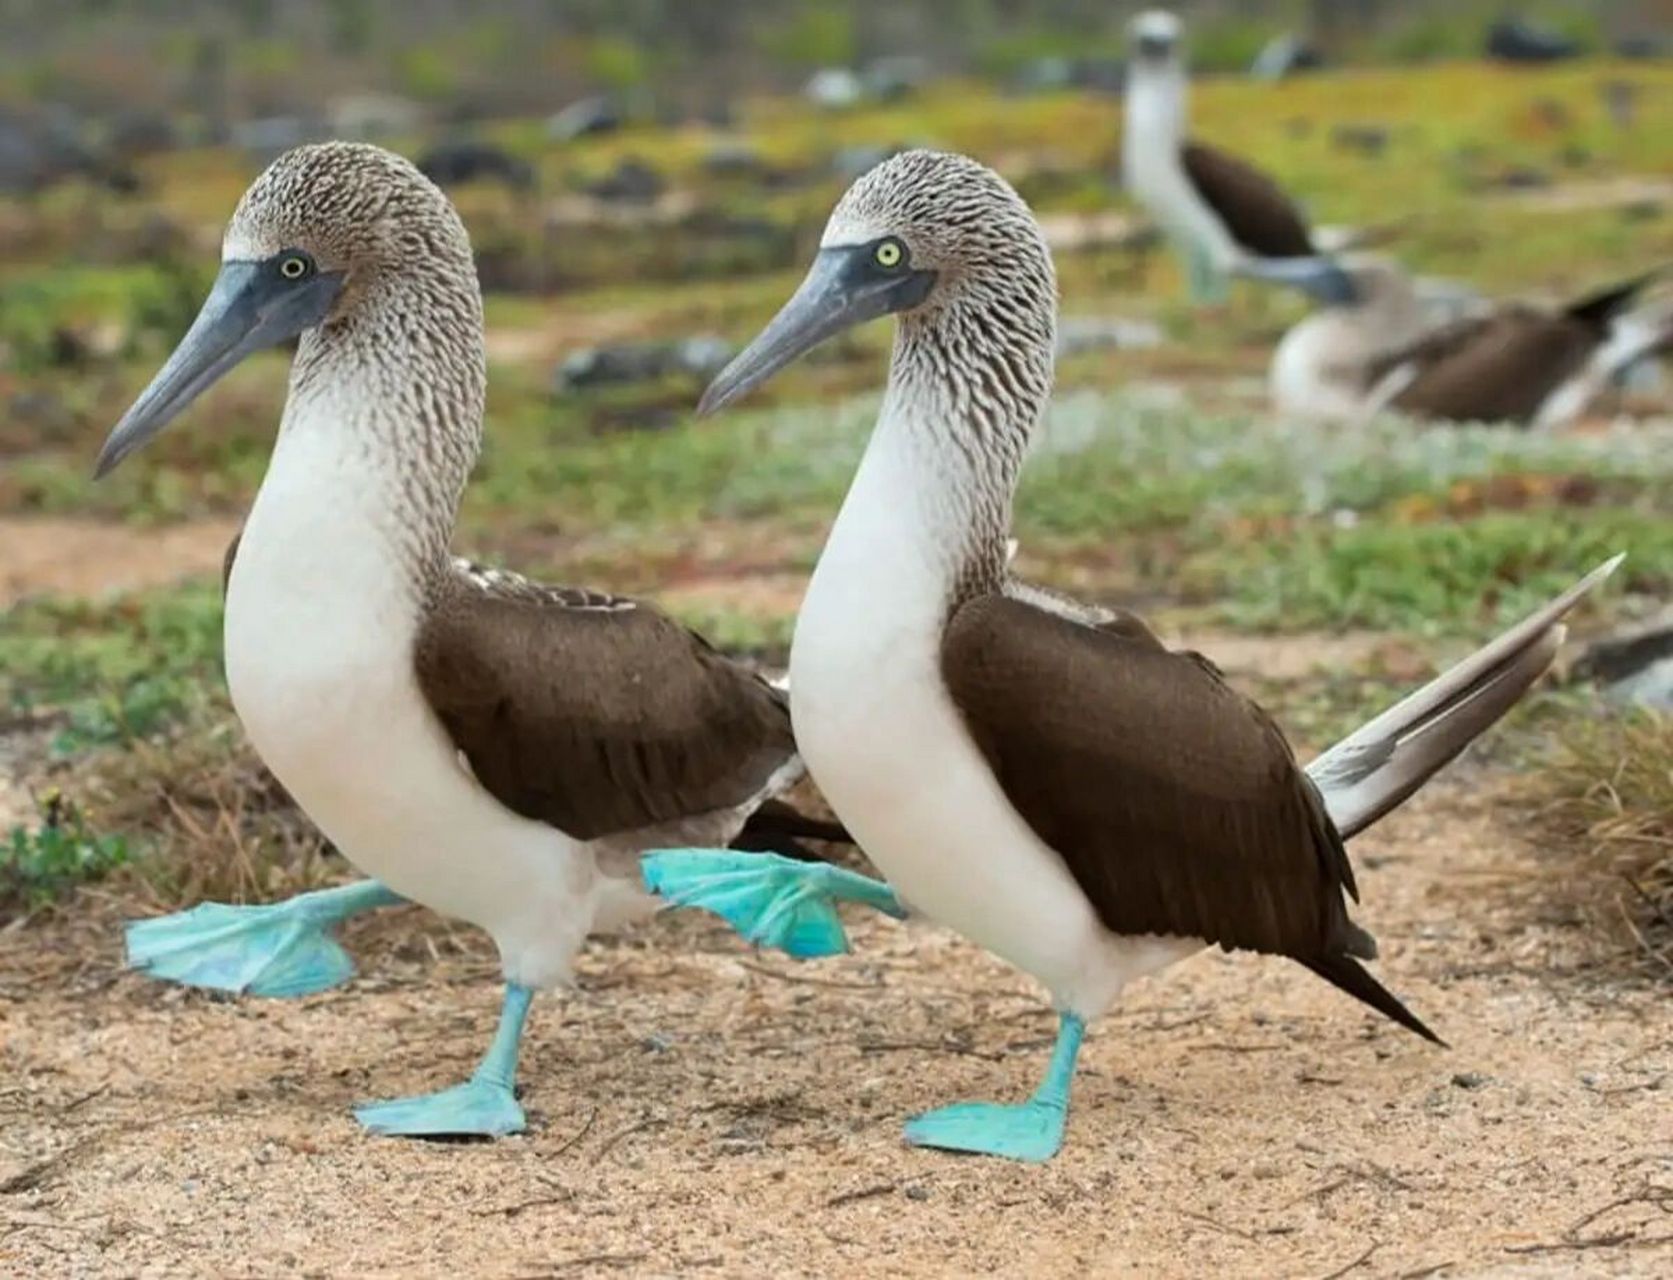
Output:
x=479 y=1108
x=279 y=949
x=1032 y=1130
x=770 y=900
x=1028 y=1131
x=485 y=1106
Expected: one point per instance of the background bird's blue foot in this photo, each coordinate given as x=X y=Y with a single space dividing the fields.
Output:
x=770 y=900
x=280 y=949
x=480 y=1108
x=1029 y=1131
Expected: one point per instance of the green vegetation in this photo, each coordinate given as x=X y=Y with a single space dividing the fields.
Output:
x=37 y=864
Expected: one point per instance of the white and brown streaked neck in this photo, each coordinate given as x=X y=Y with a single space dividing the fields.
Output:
x=971 y=372
x=389 y=392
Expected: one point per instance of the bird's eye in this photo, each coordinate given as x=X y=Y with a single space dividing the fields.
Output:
x=295 y=266
x=889 y=254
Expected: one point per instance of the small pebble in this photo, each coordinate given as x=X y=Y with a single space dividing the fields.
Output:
x=917 y=1193
x=1470 y=1079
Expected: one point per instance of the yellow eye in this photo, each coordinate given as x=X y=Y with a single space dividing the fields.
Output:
x=889 y=254
x=293 y=268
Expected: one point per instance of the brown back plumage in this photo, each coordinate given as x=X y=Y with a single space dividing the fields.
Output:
x=1255 y=210
x=1501 y=366
x=1174 y=801
x=592 y=713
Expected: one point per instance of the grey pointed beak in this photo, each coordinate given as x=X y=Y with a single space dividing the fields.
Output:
x=1320 y=278
x=841 y=290
x=250 y=307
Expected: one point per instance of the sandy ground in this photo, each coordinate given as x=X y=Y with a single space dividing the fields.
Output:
x=697 y=1108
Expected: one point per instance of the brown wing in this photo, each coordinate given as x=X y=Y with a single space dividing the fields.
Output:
x=1255 y=210
x=1494 y=368
x=593 y=713
x=1173 y=800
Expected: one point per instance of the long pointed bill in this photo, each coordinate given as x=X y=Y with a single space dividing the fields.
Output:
x=842 y=289
x=249 y=308
x=1320 y=278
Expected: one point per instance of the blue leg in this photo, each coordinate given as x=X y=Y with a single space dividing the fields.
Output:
x=484 y=1106
x=770 y=900
x=1032 y=1131
x=1205 y=281
x=280 y=949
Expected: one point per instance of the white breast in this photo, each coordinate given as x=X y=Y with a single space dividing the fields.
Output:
x=883 y=740
x=320 y=621
x=1152 y=134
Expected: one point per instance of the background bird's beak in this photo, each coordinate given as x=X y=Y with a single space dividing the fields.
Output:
x=842 y=289
x=1319 y=278
x=249 y=308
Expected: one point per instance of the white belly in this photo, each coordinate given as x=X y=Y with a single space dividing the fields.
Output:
x=886 y=746
x=319 y=630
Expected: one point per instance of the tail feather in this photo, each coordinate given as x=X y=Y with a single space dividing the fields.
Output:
x=1380 y=764
x=776 y=827
x=1605 y=304
x=1347 y=974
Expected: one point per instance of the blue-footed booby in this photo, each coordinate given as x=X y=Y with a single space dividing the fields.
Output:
x=1046 y=777
x=1225 y=216
x=1515 y=362
x=487 y=746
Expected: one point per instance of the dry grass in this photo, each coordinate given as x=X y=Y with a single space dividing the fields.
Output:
x=1614 y=776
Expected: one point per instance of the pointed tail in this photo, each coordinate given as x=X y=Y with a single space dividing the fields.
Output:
x=1380 y=764
x=1347 y=974
x=777 y=827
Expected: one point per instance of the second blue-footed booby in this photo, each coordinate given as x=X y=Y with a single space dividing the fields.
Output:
x=487 y=746
x=1514 y=362
x=1225 y=216
x=1043 y=776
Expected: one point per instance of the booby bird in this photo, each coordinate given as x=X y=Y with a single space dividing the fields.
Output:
x=1045 y=777
x=488 y=746
x=1226 y=217
x=1326 y=366
x=1519 y=363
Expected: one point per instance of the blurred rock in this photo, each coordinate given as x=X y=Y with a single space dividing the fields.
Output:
x=1077 y=335
x=633 y=181
x=1643 y=45
x=834 y=89
x=40 y=148
x=583 y=118
x=894 y=78
x=131 y=133
x=266 y=137
x=1054 y=74
x=1367 y=139
x=1635 y=664
x=367 y=116
x=468 y=160
x=1100 y=75
x=1285 y=56
x=626 y=363
x=1517 y=40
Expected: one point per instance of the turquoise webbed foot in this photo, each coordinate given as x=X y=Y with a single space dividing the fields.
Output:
x=1028 y=1131
x=277 y=949
x=770 y=900
x=480 y=1108
x=484 y=1106
x=1032 y=1130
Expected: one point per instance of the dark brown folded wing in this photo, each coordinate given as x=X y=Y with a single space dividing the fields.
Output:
x=1173 y=800
x=1255 y=210
x=594 y=714
x=1494 y=368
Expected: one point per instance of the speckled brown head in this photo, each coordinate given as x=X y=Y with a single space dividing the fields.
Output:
x=339 y=238
x=944 y=243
